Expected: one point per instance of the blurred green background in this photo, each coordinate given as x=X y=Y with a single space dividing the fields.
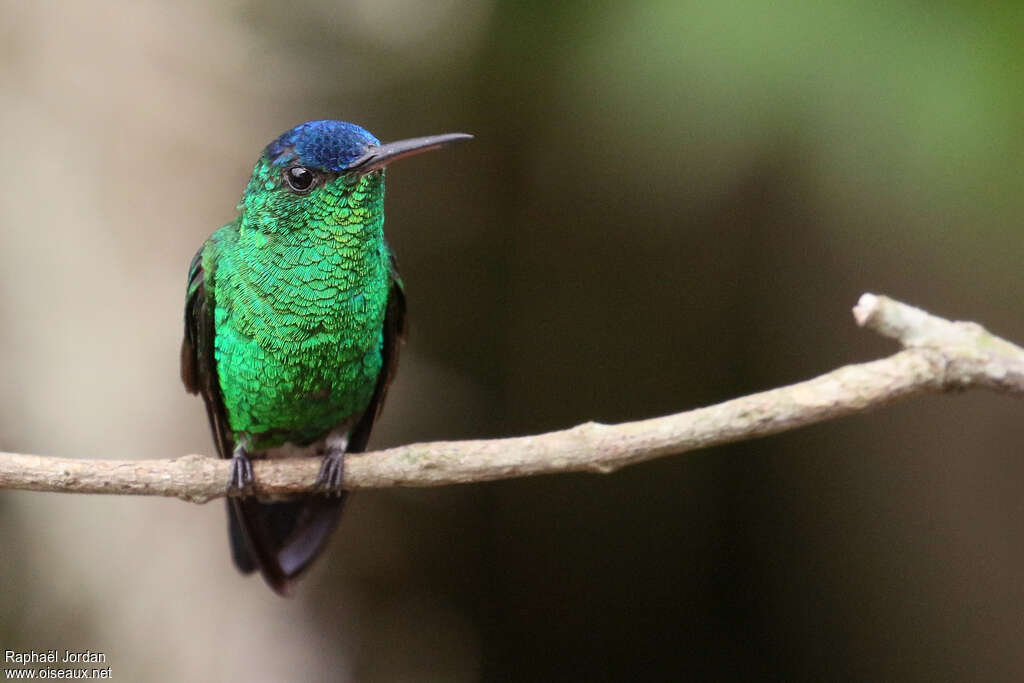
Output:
x=667 y=204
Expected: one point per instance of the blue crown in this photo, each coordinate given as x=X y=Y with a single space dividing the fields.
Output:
x=327 y=145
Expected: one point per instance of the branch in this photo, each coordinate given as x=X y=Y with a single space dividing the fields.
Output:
x=938 y=355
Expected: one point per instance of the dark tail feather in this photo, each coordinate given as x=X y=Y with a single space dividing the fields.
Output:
x=281 y=538
x=239 y=548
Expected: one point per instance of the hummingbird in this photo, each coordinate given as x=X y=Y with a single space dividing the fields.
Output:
x=294 y=312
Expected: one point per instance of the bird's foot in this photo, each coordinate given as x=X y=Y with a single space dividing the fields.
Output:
x=332 y=473
x=241 y=479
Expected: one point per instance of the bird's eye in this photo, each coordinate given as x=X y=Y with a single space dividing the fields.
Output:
x=299 y=178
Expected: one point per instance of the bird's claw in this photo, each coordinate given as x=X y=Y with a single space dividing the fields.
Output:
x=241 y=479
x=332 y=474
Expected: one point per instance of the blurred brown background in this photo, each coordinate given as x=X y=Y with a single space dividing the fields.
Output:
x=668 y=204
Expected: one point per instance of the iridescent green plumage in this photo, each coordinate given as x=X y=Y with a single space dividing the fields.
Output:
x=293 y=315
x=298 y=345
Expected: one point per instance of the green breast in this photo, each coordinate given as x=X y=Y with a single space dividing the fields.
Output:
x=298 y=320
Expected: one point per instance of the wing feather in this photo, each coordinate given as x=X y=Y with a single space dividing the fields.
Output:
x=198 y=365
